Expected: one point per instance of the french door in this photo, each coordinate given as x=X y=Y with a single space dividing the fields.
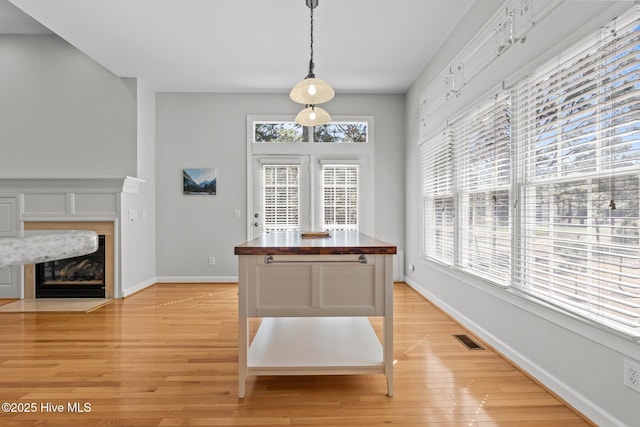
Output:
x=309 y=179
x=281 y=194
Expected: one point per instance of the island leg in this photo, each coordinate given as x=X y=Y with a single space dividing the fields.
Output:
x=388 y=322
x=243 y=325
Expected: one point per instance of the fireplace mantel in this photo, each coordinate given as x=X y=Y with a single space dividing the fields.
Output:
x=125 y=184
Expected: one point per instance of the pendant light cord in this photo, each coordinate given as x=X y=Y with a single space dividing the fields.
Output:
x=311 y=65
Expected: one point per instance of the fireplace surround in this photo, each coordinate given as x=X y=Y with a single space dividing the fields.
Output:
x=102 y=228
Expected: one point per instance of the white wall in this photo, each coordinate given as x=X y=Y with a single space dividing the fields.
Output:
x=209 y=130
x=61 y=114
x=580 y=362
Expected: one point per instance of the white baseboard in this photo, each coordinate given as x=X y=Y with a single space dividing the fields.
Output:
x=587 y=407
x=197 y=279
x=138 y=287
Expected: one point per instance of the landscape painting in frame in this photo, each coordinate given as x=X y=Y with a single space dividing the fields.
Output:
x=199 y=181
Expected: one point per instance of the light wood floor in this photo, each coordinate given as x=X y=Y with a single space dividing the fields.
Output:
x=168 y=356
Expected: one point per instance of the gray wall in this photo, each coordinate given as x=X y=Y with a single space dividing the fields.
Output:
x=138 y=245
x=59 y=110
x=62 y=115
x=209 y=130
x=580 y=362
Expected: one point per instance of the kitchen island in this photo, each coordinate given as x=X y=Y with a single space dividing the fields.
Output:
x=315 y=296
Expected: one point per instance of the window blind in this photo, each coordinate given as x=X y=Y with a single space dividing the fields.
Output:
x=482 y=147
x=579 y=156
x=280 y=198
x=340 y=184
x=436 y=170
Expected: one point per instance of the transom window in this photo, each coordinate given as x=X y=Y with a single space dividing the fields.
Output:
x=280 y=131
x=339 y=132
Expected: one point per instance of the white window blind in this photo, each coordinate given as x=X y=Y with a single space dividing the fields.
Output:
x=340 y=184
x=482 y=147
x=281 y=207
x=436 y=170
x=579 y=157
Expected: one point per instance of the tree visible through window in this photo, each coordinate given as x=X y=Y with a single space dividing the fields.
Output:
x=341 y=132
x=278 y=132
x=287 y=132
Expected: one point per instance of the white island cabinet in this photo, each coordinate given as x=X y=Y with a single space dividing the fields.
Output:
x=315 y=296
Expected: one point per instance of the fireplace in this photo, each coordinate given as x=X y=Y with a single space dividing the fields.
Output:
x=103 y=229
x=77 y=277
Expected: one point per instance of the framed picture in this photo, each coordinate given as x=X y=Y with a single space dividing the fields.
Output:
x=199 y=181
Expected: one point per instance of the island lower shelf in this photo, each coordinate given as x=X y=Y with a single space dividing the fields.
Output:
x=315 y=346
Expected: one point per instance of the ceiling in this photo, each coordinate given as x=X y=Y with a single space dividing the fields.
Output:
x=360 y=46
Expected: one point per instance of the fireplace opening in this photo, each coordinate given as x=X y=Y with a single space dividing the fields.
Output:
x=78 y=277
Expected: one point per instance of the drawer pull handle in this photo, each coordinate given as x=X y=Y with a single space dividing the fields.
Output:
x=269 y=260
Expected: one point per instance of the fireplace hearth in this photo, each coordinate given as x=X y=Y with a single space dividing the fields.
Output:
x=77 y=277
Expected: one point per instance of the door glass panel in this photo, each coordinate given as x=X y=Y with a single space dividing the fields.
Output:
x=281 y=197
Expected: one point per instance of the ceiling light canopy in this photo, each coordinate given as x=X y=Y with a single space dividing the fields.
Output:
x=312 y=91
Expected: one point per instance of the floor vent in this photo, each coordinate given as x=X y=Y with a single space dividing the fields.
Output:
x=468 y=342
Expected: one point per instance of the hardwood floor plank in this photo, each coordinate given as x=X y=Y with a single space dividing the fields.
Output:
x=167 y=356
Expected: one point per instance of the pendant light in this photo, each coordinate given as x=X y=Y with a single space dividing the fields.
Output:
x=312 y=91
x=313 y=116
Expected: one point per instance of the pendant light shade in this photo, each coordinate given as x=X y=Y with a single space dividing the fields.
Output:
x=313 y=116
x=312 y=91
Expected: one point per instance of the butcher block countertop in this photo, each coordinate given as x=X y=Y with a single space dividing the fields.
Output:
x=292 y=243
